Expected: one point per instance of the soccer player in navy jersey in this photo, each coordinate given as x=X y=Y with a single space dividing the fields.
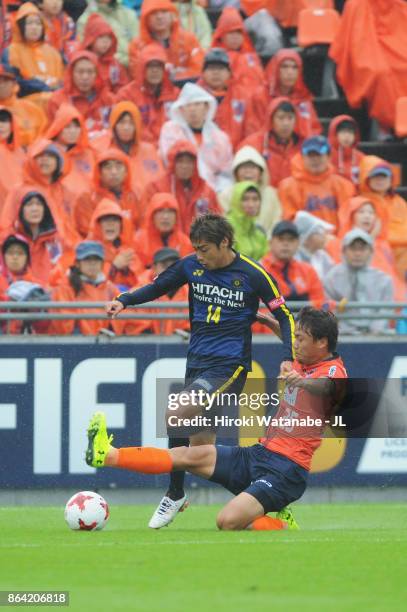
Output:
x=224 y=292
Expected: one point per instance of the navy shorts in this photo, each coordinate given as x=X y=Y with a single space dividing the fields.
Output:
x=230 y=378
x=274 y=480
x=213 y=380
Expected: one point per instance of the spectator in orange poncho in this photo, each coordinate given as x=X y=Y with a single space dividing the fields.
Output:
x=377 y=184
x=344 y=137
x=284 y=77
x=192 y=193
x=371 y=55
x=360 y=213
x=110 y=226
x=231 y=35
x=69 y=132
x=16 y=278
x=151 y=91
x=99 y=38
x=159 y=23
x=161 y=228
x=233 y=98
x=15 y=262
x=85 y=90
x=44 y=169
x=163 y=259
x=36 y=218
x=38 y=65
x=31 y=120
x=126 y=134
x=85 y=282
x=11 y=154
x=279 y=140
x=112 y=179
x=313 y=186
x=60 y=27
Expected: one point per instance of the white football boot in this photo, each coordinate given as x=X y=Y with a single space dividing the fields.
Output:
x=166 y=512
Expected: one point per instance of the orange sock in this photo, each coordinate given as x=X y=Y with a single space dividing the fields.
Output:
x=145 y=460
x=267 y=523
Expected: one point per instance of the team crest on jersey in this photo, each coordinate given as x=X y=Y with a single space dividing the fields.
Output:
x=197 y=273
x=332 y=371
x=237 y=282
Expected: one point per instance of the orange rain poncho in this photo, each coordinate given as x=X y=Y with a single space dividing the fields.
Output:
x=371 y=55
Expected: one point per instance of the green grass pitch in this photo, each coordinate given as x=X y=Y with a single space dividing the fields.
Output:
x=346 y=557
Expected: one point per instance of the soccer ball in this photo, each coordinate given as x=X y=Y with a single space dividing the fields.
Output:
x=86 y=511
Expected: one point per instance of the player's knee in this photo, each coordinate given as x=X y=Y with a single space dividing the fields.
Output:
x=227 y=521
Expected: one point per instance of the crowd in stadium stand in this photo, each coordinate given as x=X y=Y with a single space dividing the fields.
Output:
x=121 y=121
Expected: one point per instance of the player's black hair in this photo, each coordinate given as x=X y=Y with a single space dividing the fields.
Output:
x=286 y=107
x=319 y=324
x=211 y=228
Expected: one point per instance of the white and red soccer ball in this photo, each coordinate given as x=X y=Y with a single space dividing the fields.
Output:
x=86 y=511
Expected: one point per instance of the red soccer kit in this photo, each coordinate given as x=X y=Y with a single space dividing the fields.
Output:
x=297 y=403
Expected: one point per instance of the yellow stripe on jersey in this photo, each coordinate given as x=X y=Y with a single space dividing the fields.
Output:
x=277 y=294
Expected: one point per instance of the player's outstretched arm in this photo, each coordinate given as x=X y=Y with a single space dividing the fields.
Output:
x=172 y=277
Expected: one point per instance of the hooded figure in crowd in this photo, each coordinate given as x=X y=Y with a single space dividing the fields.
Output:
x=99 y=38
x=112 y=179
x=377 y=183
x=126 y=134
x=122 y=20
x=38 y=221
x=151 y=91
x=161 y=228
x=279 y=140
x=284 y=76
x=314 y=235
x=245 y=206
x=249 y=165
x=230 y=35
x=344 y=137
x=84 y=89
x=68 y=130
x=192 y=118
x=44 y=169
x=110 y=227
x=38 y=65
x=193 y=194
x=159 y=23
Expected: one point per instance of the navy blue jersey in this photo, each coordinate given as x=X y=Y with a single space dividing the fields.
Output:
x=222 y=307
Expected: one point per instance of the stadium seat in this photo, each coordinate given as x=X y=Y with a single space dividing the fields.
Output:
x=317 y=26
x=401 y=117
x=397 y=171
